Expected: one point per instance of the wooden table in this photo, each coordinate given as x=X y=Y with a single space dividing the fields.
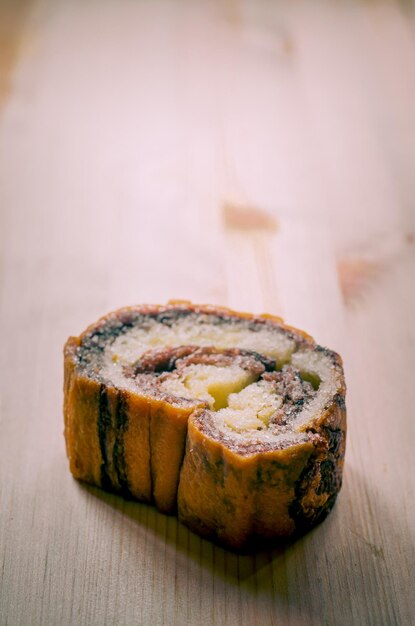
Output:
x=259 y=155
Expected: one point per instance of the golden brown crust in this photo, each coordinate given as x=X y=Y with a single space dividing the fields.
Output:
x=151 y=449
x=186 y=305
x=80 y=401
x=237 y=497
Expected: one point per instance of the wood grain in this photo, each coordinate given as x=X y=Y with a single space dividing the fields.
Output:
x=253 y=154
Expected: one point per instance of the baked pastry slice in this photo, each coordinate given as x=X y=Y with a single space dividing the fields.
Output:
x=235 y=421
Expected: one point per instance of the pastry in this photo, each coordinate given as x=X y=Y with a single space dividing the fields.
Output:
x=235 y=422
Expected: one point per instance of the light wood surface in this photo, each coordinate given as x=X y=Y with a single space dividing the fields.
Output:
x=255 y=154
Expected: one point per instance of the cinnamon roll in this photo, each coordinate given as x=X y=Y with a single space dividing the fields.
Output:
x=235 y=422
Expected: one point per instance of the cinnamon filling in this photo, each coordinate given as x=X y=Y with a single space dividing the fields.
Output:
x=259 y=383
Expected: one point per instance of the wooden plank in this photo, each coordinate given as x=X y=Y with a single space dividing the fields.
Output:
x=253 y=154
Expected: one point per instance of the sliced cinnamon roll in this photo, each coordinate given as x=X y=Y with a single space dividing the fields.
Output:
x=235 y=421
